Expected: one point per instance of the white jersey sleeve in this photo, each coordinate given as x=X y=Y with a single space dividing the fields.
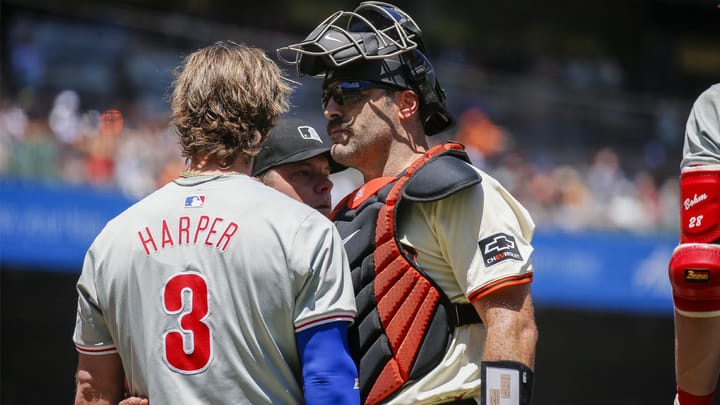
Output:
x=501 y=251
x=702 y=131
x=473 y=242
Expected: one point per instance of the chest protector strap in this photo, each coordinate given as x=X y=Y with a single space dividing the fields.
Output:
x=404 y=321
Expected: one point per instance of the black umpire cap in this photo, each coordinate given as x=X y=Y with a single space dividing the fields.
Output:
x=293 y=140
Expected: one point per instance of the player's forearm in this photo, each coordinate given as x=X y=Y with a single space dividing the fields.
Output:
x=511 y=330
x=513 y=340
x=697 y=354
x=93 y=392
x=99 y=380
x=509 y=351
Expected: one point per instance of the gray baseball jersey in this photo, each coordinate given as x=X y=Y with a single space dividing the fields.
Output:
x=702 y=132
x=201 y=286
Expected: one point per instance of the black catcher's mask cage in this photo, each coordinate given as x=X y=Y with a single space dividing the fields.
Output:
x=376 y=41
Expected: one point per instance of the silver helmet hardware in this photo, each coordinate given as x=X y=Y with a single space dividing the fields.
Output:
x=374 y=30
x=375 y=42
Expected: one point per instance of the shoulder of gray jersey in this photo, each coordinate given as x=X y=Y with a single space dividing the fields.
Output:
x=702 y=131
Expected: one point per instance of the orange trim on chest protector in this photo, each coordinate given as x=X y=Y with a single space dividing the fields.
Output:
x=367 y=190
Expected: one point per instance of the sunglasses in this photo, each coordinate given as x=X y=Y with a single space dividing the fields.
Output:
x=347 y=93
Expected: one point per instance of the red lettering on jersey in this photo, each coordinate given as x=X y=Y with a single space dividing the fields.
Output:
x=184 y=230
x=145 y=241
x=188 y=349
x=206 y=228
x=166 y=235
x=224 y=240
x=201 y=226
x=212 y=231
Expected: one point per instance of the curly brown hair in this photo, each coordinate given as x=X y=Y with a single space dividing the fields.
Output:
x=226 y=99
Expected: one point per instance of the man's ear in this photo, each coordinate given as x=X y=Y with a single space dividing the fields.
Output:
x=408 y=103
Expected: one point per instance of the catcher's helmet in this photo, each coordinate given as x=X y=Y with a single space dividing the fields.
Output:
x=376 y=41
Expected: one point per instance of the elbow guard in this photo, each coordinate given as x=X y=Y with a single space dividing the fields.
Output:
x=695 y=278
x=694 y=267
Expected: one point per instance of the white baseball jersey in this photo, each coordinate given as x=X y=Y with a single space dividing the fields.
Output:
x=201 y=286
x=470 y=243
x=702 y=132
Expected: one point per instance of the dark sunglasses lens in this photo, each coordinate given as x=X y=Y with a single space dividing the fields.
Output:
x=324 y=99
x=342 y=95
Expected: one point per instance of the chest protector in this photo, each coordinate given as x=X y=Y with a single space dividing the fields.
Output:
x=404 y=320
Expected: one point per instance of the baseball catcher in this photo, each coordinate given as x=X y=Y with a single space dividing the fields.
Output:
x=439 y=250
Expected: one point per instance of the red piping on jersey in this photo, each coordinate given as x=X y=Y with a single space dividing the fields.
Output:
x=488 y=289
x=338 y=317
x=105 y=350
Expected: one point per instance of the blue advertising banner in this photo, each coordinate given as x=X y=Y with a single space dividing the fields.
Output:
x=604 y=271
x=49 y=227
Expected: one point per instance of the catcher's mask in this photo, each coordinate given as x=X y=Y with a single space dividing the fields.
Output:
x=377 y=41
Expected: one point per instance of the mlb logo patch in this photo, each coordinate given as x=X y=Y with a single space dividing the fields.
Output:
x=498 y=248
x=194 y=201
x=307 y=132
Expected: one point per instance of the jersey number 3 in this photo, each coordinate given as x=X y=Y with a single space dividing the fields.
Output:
x=187 y=349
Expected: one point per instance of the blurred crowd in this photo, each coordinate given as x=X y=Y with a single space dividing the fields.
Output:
x=561 y=135
x=574 y=194
x=106 y=149
x=135 y=153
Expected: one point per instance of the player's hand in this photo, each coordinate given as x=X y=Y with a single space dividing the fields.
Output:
x=135 y=401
